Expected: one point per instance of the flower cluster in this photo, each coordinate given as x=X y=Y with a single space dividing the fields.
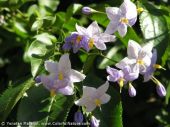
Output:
x=139 y=61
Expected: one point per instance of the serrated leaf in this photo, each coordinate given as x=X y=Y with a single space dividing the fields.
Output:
x=45 y=109
x=11 y=96
x=154 y=27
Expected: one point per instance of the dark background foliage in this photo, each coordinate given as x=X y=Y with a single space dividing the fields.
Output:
x=19 y=61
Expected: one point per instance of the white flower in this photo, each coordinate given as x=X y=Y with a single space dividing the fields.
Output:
x=95 y=36
x=93 y=97
x=121 y=18
x=138 y=57
x=61 y=77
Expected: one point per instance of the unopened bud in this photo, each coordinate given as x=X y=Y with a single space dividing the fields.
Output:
x=87 y=10
x=78 y=117
x=94 y=122
x=131 y=90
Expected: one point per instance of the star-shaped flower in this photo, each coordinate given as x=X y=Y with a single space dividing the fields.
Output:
x=138 y=57
x=121 y=18
x=122 y=76
x=93 y=97
x=61 y=77
x=95 y=36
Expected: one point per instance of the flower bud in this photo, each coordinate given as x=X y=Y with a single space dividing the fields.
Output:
x=87 y=10
x=38 y=79
x=131 y=90
x=94 y=122
x=78 y=117
x=160 y=89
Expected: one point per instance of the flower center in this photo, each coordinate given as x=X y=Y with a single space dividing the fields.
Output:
x=97 y=102
x=124 y=20
x=140 y=62
x=121 y=81
x=60 y=76
x=91 y=43
x=78 y=39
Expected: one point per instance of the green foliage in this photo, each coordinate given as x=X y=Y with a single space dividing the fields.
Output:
x=11 y=96
x=34 y=31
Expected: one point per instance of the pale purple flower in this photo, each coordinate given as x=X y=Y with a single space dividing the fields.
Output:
x=122 y=76
x=138 y=57
x=150 y=70
x=74 y=41
x=94 y=122
x=121 y=18
x=95 y=36
x=93 y=97
x=61 y=77
x=78 y=117
x=160 y=89
x=131 y=90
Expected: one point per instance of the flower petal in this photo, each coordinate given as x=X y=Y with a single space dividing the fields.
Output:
x=76 y=76
x=64 y=64
x=68 y=90
x=125 y=62
x=90 y=107
x=112 y=12
x=88 y=91
x=81 y=30
x=112 y=27
x=122 y=29
x=51 y=66
x=133 y=49
x=93 y=29
x=105 y=98
x=128 y=9
x=100 y=45
x=104 y=37
x=102 y=89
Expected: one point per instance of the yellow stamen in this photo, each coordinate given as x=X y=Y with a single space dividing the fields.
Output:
x=97 y=102
x=124 y=20
x=140 y=62
x=52 y=93
x=121 y=83
x=91 y=43
x=60 y=76
x=139 y=10
x=157 y=66
x=79 y=38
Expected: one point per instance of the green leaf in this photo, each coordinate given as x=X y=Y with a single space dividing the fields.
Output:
x=46 y=38
x=12 y=95
x=168 y=94
x=111 y=112
x=104 y=21
x=52 y=4
x=42 y=108
x=36 y=48
x=154 y=27
x=37 y=25
x=111 y=55
x=72 y=9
